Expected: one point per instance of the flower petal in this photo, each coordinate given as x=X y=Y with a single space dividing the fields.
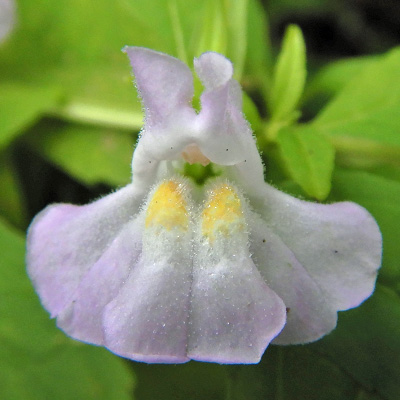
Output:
x=339 y=244
x=224 y=135
x=147 y=320
x=82 y=319
x=234 y=314
x=165 y=84
x=309 y=314
x=64 y=241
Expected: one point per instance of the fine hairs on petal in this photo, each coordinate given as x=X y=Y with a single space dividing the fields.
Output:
x=163 y=271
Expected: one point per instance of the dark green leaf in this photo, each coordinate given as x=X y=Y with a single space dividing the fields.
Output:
x=194 y=381
x=37 y=361
x=366 y=344
x=12 y=203
x=290 y=372
x=381 y=197
x=91 y=155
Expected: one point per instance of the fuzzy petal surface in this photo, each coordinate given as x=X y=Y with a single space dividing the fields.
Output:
x=64 y=241
x=165 y=84
x=234 y=315
x=339 y=244
x=83 y=318
x=225 y=135
x=147 y=320
x=309 y=313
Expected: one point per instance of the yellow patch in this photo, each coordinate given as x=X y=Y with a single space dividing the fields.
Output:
x=222 y=213
x=167 y=208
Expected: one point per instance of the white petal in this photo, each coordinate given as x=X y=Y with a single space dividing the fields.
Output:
x=309 y=313
x=64 y=241
x=234 y=314
x=83 y=318
x=338 y=244
x=165 y=84
x=147 y=320
x=224 y=135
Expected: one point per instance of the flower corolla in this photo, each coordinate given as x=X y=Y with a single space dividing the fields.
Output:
x=165 y=271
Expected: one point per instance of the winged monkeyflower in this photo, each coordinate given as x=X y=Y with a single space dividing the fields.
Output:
x=164 y=271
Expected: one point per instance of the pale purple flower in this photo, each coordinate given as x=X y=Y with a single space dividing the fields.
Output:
x=164 y=271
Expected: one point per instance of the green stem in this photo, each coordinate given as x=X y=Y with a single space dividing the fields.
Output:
x=97 y=115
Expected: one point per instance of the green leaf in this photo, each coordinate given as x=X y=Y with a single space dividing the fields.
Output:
x=91 y=155
x=360 y=359
x=258 y=63
x=309 y=159
x=37 y=361
x=366 y=344
x=236 y=15
x=12 y=204
x=21 y=106
x=80 y=52
x=332 y=78
x=290 y=372
x=364 y=117
x=194 y=381
x=381 y=198
x=289 y=76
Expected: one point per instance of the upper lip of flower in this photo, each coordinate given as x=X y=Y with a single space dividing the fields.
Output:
x=174 y=279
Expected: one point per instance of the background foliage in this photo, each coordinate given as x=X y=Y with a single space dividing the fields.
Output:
x=327 y=120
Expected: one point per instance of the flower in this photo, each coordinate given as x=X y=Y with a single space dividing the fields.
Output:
x=164 y=271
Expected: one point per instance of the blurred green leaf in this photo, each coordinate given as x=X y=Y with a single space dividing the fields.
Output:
x=364 y=117
x=333 y=77
x=91 y=155
x=77 y=47
x=366 y=344
x=309 y=159
x=289 y=76
x=37 y=361
x=381 y=197
x=236 y=13
x=213 y=35
x=360 y=359
x=251 y=112
x=258 y=62
x=290 y=372
x=387 y=171
x=279 y=7
x=194 y=381
x=21 y=106
x=330 y=80
x=12 y=204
